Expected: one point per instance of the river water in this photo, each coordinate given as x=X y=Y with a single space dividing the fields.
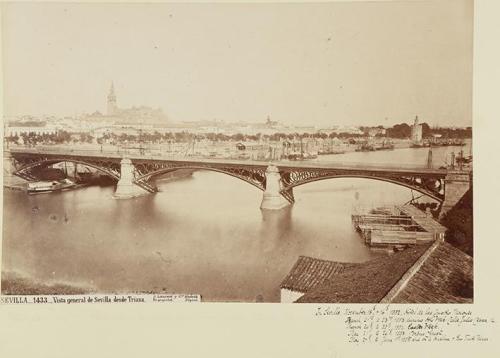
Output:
x=204 y=234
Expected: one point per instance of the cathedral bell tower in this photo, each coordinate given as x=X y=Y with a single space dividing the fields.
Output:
x=112 y=109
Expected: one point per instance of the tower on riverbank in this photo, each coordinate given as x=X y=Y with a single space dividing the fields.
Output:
x=416 y=132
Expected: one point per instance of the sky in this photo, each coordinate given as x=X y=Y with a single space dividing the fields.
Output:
x=342 y=63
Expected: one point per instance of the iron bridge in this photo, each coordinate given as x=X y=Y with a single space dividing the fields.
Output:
x=430 y=182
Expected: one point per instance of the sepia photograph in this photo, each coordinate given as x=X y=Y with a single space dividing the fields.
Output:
x=239 y=152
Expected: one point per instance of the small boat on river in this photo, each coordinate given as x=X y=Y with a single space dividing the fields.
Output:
x=40 y=187
x=365 y=147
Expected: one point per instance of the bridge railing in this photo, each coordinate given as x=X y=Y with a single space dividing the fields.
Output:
x=155 y=154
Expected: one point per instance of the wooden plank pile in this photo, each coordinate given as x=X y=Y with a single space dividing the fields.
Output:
x=392 y=228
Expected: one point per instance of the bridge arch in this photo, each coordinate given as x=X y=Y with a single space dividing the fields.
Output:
x=421 y=190
x=254 y=178
x=46 y=162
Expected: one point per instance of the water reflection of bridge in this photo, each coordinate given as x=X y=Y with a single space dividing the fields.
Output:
x=275 y=179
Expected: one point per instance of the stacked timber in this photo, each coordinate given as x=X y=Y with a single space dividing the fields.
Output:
x=395 y=227
x=387 y=237
x=425 y=221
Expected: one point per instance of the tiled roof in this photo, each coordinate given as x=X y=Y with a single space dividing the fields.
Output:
x=309 y=272
x=367 y=282
x=445 y=277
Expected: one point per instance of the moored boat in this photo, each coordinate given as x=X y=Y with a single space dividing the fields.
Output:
x=301 y=156
x=330 y=151
x=365 y=147
x=385 y=145
x=40 y=187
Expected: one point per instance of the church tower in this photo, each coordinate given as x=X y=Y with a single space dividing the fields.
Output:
x=112 y=108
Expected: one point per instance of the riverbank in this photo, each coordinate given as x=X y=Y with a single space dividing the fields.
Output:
x=15 y=284
x=18 y=187
x=14 y=183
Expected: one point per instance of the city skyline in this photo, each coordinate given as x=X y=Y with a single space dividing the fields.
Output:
x=242 y=62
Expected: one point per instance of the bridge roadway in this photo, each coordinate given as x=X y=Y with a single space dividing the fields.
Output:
x=134 y=168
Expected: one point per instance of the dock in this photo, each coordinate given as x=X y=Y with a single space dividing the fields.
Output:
x=398 y=226
x=424 y=220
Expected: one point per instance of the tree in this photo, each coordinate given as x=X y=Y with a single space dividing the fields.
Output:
x=426 y=130
x=62 y=137
x=86 y=138
x=238 y=137
x=402 y=130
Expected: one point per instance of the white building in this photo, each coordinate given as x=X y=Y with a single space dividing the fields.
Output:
x=19 y=130
x=372 y=132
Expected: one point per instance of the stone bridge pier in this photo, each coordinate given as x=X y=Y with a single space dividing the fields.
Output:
x=8 y=168
x=272 y=198
x=8 y=165
x=126 y=188
x=457 y=183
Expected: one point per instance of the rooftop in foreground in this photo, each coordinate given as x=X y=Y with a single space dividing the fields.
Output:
x=366 y=282
x=309 y=272
x=431 y=273
x=445 y=277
